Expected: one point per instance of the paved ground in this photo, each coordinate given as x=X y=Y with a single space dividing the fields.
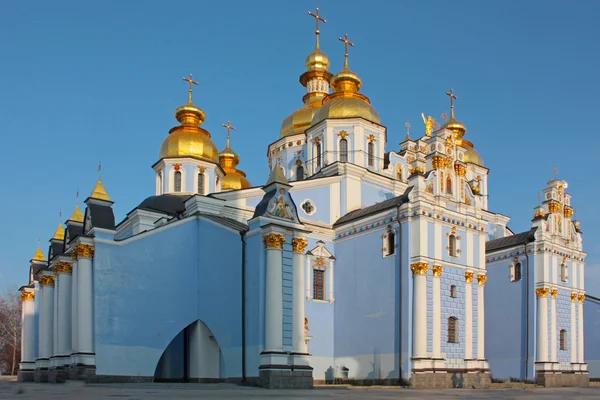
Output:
x=78 y=390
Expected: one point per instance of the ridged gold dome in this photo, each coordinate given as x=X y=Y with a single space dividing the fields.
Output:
x=299 y=120
x=188 y=139
x=234 y=179
x=471 y=155
x=317 y=61
x=455 y=126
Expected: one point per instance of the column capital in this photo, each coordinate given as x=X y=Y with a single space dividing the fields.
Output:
x=298 y=245
x=581 y=298
x=27 y=296
x=47 y=280
x=554 y=293
x=274 y=240
x=573 y=297
x=62 y=268
x=481 y=279
x=542 y=292
x=469 y=276
x=83 y=251
x=437 y=270
x=74 y=253
x=419 y=268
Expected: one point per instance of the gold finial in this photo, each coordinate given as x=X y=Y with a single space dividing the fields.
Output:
x=191 y=82
x=229 y=129
x=39 y=254
x=317 y=18
x=346 y=44
x=452 y=98
x=407 y=124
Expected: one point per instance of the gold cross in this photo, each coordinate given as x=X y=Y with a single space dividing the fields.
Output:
x=191 y=82
x=229 y=129
x=99 y=168
x=346 y=44
x=317 y=19
x=452 y=98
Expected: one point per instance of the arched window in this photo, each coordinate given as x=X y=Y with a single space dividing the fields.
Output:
x=371 y=154
x=452 y=245
x=452 y=330
x=299 y=173
x=390 y=244
x=177 y=181
x=318 y=151
x=563 y=272
x=518 y=272
x=318 y=284
x=453 y=291
x=200 y=183
x=449 y=185
x=563 y=339
x=343 y=150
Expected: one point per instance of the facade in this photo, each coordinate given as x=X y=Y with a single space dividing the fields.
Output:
x=354 y=261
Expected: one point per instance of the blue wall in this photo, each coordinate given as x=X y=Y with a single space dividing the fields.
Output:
x=320 y=198
x=591 y=327
x=151 y=287
x=373 y=194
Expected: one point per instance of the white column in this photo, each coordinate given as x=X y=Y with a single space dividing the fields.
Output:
x=74 y=291
x=47 y=318
x=469 y=315
x=85 y=310
x=274 y=293
x=437 y=311
x=554 y=293
x=580 y=356
x=298 y=344
x=481 y=279
x=420 y=309
x=64 y=316
x=27 y=330
x=542 y=328
x=573 y=329
x=55 y=323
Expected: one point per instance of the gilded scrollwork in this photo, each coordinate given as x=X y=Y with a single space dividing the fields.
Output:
x=573 y=297
x=481 y=279
x=437 y=270
x=47 y=280
x=554 y=293
x=85 y=251
x=542 y=292
x=27 y=296
x=419 y=268
x=274 y=241
x=298 y=245
x=581 y=298
x=469 y=276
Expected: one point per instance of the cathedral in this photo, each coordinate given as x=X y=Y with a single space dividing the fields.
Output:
x=357 y=261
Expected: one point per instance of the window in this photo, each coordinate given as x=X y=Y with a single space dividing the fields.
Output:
x=399 y=174
x=299 y=173
x=200 y=183
x=371 y=154
x=452 y=245
x=453 y=291
x=518 y=272
x=563 y=339
x=563 y=272
x=177 y=181
x=449 y=185
x=343 y=150
x=318 y=284
x=452 y=330
x=318 y=151
x=390 y=247
x=308 y=207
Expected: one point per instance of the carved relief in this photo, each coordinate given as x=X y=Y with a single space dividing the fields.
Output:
x=419 y=268
x=27 y=296
x=274 y=241
x=85 y=251
x=437 y=270
x=47 y=280
x=469 y=276
x=298 y=245
x=481 y=279
x=542 y=292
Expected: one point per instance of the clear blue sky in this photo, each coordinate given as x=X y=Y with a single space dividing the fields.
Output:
x=87 y=81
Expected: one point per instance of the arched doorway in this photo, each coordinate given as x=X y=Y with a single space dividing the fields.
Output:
x=192 y=356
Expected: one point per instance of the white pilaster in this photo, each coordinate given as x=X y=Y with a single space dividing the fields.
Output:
x=54 y=323
x=553 y=339
x=420 y=309
x=469 y=238
x=46 y=320
x=298 y=314
x=274 y=294
x=437 y=311
x=542 y=328
x=64 y=316
x=580 y=346
x=85 y=311
x=573 y=329
x=27 y=330
x=74 y=302
x=469 y=315
x=481 y=279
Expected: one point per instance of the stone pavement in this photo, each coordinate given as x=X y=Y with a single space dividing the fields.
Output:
x=73 y=390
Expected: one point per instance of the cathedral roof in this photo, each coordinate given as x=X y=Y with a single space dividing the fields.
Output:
x=165 y=203
x=510 y=241
x=101 y=216
x=374 y=209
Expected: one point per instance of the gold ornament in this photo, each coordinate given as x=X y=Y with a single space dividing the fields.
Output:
x=554 y=293
x=27 y=296
x=581 y=298
x=298 y=245
x=419 y=268
x=85 y=251
x=437 y=270
x=460 y=169
x=573 y=297
x=469 y=276
x=62 y=268
x=568 y=212
x=74 y=254
x=481 y=279
x=554 y=207
x=542 y=292
x=274 y=241
x=47 y=280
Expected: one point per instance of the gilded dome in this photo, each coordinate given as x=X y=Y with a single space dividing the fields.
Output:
x=299 y=120
x=473 y=156
x=235 y=180
x=188 y=139
x=346 y=107
x=317 y=61
x=457 y=127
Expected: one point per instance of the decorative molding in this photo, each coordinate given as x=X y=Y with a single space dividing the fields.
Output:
x=573 y=297
x=274 y=241
x=298 y=245
x=201 y=169
x=47 y=280
x=554 y=207
x=481 y=279
x=343 y=134
x=419 y=268
x=469 y=277
x=319 y=263
x=177 y=166
x=27 y=296
x=460 y=169
x=62 y=268
x=372 y=138
x=568 y=212
x=581 y=298
x=554 y=293
x=542 y=292
x=84 y=251
x=74 y=253
x=437 y=270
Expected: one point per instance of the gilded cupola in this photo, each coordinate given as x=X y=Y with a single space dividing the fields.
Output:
x=471 y=155
x=60 y=233
x=234 y=179
x=316 y=81
x=99 y=193
x=77 y=215
x=189 y=139
x=345 y=101
x=39 y=254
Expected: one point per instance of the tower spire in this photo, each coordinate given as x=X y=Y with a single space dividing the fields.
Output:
x=346 y=44
x=317 y=18
x=191 y=82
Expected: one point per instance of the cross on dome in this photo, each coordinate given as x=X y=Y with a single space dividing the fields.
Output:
x=452 y=98
x=191 y=82
x=317 y=18
x=346 y=44
x=229 y=128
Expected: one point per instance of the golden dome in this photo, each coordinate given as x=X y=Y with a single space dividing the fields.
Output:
x=346 y=107
x=60 y=233
x=346 y=81
x=317 y=61
x=39 y=255
x=99 y=192
x=299 y=120
x=234 y=179
x=457 y=127
x=77 y=215
x=471 y=155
